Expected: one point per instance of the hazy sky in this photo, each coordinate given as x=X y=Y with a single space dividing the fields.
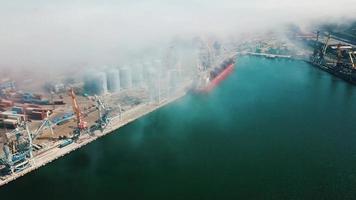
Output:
x=64 y=33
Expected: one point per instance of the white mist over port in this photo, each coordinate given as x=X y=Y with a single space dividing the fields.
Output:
x=54 y=36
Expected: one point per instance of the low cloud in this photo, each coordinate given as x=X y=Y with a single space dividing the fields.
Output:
x=46 y=35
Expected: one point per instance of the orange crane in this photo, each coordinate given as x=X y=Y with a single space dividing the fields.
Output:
x=81 y=123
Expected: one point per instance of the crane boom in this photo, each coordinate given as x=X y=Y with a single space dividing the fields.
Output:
x=81 y=123
x=353 y=59
x=326 y=44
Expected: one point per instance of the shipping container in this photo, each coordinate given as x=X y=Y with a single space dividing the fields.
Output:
x=7 y=103
x=11 y=115
x=9 y=123
x=18 y=110
x=35 y=115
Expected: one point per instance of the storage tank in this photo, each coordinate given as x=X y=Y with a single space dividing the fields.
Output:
x=125 y=78
x=95 y=82
x=113 y=80
x=137 y=76
x=101 y=82
x=149 y=73
x=152 y=83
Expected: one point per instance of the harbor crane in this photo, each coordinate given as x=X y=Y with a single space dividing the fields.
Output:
x=33 y=135
x=317 y=36
x=352 y=55
x=45 y=124
x=17 y=151
x=18 y=158
x=320 y=50
x=81 y=124
x=339 y=56
x=105 y=113
x=341 y=49
x=326 y=45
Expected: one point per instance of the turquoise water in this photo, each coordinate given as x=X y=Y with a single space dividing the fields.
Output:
x=275 y=129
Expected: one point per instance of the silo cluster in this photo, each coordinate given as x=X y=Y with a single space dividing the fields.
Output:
x=111 y=80
x=148 y=75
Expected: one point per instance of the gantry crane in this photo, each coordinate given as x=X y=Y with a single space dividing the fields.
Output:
x=81 y=124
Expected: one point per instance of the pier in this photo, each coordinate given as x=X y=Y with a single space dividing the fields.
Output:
x=266 y=55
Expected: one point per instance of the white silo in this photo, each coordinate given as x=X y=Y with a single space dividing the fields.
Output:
x=89 y=86
x=102 y=83
x=95 y=82
x=153 y=83
x=113 y=80
x=125 y=78
x=137 y=76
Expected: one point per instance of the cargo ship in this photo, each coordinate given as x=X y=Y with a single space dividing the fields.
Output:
x=343 y=72
x=343 y=67
x=337 y=59
x=209 y=79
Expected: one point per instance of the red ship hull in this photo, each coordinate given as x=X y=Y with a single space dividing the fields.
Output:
x=217 y=80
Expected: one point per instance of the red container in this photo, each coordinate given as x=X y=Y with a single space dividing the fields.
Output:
x=37 y=115
x=7 y=103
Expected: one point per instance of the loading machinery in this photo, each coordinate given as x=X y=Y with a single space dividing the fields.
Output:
x=82 y=126
x=17 y=151
x=19 y=147
x=352 y=55
x=103 y=111
x=106 y=113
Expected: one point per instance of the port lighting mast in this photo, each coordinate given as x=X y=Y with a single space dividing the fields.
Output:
x=81 y=123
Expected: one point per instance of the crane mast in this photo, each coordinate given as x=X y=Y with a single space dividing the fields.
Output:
x=81 y=123
x=352 y=55
x=326 y=45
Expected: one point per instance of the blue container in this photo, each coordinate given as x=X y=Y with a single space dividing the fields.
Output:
x=18 y=110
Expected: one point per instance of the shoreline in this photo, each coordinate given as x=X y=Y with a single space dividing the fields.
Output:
x=54 y=152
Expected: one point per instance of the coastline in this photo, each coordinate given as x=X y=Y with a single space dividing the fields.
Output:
x=54 y=152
